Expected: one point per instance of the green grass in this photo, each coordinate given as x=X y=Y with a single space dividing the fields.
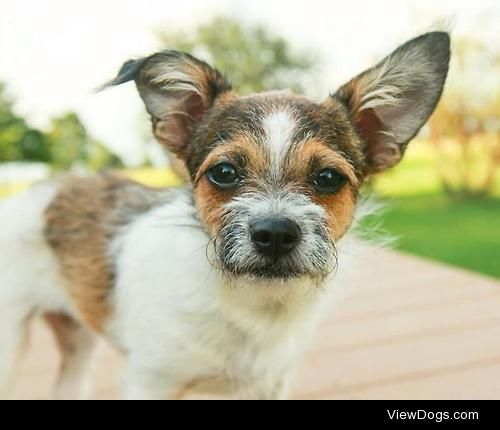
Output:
x=464 y=233
x=417 y=174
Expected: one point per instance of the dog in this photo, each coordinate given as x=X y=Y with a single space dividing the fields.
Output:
x=218 y=285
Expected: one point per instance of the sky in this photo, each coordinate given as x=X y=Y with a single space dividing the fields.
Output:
x=53 y=53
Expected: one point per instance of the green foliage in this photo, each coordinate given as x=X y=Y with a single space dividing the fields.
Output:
x=418 y=173
x=253 y=58
x=65 y=144
x=19 y=141
x=97 y=157
x=465 y=129
x=71 y=144
x=68 y=140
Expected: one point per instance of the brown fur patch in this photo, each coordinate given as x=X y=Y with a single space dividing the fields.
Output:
x=299 y=160
x=244 y=153
x=86 y=214
x=340 y=205
x=64 y=328
x=340 y=209
x=210 y=202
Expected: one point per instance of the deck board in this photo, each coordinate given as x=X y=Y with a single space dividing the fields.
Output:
x=406 y=328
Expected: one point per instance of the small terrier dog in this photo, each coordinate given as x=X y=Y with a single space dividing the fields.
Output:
x=217 y=285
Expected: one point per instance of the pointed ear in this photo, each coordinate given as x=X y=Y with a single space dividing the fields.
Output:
x=390 y=102
x=177 y=89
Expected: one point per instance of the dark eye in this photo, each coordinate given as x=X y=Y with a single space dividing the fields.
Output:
x=224 y=175
x=329 y=181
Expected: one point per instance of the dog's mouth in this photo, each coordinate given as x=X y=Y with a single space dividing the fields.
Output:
x=269 y=271
x=285 y=269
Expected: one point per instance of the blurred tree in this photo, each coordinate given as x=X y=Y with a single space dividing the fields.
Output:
x=253 y=58
x=98 y=157
x=70 y=144
x=68 y=140
x=66 y=143
x=465 y=129
x=19 y=141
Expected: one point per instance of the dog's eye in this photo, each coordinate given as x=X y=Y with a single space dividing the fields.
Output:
x=224 y=175
x=329 y=181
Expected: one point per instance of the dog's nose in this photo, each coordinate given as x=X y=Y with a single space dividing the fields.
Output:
x=275 y=237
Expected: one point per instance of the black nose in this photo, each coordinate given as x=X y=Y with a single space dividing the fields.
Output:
x=275 y=237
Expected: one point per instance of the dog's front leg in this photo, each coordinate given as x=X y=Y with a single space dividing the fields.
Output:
x=76 y=344
x=13 y=338
x=141 y=383
x=277 y=389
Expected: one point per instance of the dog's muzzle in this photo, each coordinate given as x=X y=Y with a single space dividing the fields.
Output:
x=282 y=235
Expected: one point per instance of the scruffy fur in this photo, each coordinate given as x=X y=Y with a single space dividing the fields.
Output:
x=174 y=278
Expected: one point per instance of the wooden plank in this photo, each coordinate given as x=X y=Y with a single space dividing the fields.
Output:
x=370 y=367
x=400 y=327
x=478 y=381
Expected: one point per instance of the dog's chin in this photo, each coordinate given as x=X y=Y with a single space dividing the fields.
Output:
x=272 y=272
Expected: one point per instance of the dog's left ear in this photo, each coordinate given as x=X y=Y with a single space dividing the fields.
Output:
x=177 y=89
x=390 y=102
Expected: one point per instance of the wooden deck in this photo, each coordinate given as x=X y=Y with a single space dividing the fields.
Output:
x=406 y=329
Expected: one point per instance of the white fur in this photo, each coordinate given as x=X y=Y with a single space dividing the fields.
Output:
x=178 y=320
x=29 y=273
x=279 y=127
x=29 y=278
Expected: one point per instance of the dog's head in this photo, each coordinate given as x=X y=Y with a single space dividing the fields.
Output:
x=276 y=176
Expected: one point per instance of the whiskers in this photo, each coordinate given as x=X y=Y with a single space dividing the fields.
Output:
x=334 y=265
x=212 y=256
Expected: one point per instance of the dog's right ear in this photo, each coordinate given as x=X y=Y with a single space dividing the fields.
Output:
x=177 y=89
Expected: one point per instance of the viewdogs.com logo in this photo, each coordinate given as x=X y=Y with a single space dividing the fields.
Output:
x=437 y=416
